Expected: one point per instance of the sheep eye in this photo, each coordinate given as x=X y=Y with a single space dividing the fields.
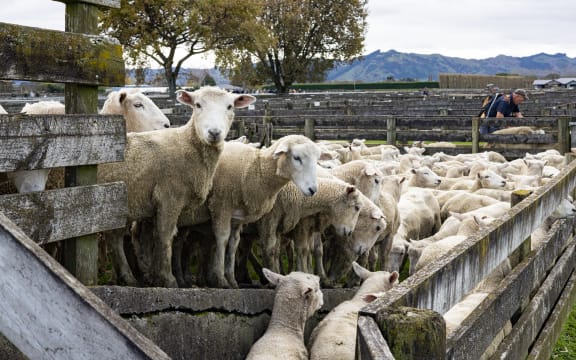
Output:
x=138 y=105
x=377 y=228
x=377 y=181
x=357 y=208
x=198 y=106
x=297 y=158
x=229 y=107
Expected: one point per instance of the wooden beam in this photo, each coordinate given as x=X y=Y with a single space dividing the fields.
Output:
x=46 y=141
x=69 y=212
x=35 y=54
x=47 y=312
x=101 y=3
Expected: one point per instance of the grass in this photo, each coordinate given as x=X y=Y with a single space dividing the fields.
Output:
x=565 y=348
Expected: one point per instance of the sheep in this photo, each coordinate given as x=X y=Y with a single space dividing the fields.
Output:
x=518 y=130
x=484 y=179
x=166 y=170
x=469 y=226
x=365 y=176
x=342 y=251
x=340 y=201
x=423 y=177
x=335 y=336
x=565 y=209
x=139 y=111
x=298 y=297
x=3 y=111
x=465 y=202
x=245 y=187
x=35 y=180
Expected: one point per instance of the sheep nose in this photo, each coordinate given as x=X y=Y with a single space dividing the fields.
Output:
x=214 y=133
x=166 y=125
x=311 y=191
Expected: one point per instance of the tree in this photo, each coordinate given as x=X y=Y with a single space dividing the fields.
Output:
x=156 y=29
x=304 y=39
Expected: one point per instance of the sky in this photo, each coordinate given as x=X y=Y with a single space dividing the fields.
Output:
x=470 y=29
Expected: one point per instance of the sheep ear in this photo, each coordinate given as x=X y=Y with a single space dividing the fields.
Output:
x=184 y=97
x=273 y=277
x=242 y=101
x=369 y=170
x=360 y=271
x=370 y=297
x=282 y=148
x=122 y=97
x=325 y=155
x=393 y=277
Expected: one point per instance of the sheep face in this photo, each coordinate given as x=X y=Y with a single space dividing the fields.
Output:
x=490 y=180
x=213 y=111
x=140 y=113
x=565 y=209
x=346 y=211
x=297 y=158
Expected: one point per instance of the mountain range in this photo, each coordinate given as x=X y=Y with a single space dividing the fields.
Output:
x=380 y=66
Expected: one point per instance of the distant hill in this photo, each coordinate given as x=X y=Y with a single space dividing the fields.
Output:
x=378 y=66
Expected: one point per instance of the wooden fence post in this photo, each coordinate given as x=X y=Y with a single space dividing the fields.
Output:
x=476 y=135
x=391 y=131
x=81 y=254
x=413 y=333
x=309 y=128
x=564 y=140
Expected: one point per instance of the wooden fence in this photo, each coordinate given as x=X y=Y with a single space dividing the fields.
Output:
x=536 y=296
x=47 y=311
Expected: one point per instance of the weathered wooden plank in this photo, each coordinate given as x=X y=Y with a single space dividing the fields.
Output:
x=479 y=328
x=518 y=343
x=45 y=141
x=544 y=345
x=102 y=3
x=370 y=343
x=47 y=313
x=64 y=213
x=28 y=53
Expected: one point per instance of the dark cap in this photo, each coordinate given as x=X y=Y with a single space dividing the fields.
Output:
x=522 y=93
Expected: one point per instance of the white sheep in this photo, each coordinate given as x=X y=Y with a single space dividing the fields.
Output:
x=565 y=209
x=342 y=251
x=139 y=111
x=3 y=111
x=464 y=202
x=362 y=174
x=335 y=336
x=166 y=170
x=35 y=180
x=339 y=201
x=246 y=184
x=298 y=297
x=518 y=130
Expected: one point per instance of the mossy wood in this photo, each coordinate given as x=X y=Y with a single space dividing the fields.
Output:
x=46 y=141
x=35 y=54
x=47 y=313
x=59 y=214
x=102 y=3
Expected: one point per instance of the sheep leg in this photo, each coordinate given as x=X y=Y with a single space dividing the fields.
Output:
x=161 y=269
x=221 y=229
x=319 y=254
x=230 y=260
x=115 y=239
x=268 y=246
x=177 y=256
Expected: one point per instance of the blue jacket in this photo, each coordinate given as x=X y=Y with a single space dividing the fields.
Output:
x=505 y=105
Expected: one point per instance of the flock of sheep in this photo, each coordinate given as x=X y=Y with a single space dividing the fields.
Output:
x=323 y=213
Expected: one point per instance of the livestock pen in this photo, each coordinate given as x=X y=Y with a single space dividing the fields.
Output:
x=49 y=312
